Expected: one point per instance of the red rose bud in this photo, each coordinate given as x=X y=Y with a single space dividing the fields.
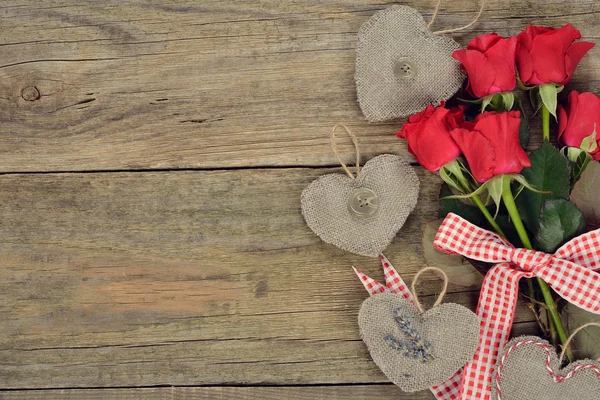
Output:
x=492 y=146
x=548 y=55
x=489 y=62
x=578 y=123
x=428 y=136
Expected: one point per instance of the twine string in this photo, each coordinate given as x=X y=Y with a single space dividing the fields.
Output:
x=435 y=13
x=575 y=332
x=442 y=292
x=337 y=154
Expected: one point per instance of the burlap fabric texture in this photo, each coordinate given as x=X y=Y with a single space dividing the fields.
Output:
x=524 y=374
x=451 y=329
x=325 y=205
x=392 y=41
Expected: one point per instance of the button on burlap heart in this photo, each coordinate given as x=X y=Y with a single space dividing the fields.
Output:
x=530 y=369
x=417 y=351
x=325 y=205
x=401 y=67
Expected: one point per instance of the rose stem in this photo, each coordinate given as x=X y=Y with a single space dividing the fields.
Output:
x=486 y=213
x=509 y=202
x=545 y=123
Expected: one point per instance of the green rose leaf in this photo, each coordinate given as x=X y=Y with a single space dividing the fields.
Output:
x=548 y=93
x=586 y=195
x=459 y=271
x=508 y=98
x=549 y=172
x=524 y=131
x=560 y=221
x=470 y=213
x=586 y=344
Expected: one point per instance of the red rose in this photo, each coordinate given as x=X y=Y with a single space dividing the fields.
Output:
x=492 y=146
x=428 y=136
x=489 y=62
x=548 y=55
x=579 y=119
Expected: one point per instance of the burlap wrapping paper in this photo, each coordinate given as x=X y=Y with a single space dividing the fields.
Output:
x=452 y=330
x=524 y=374
x=325 y=205
x=392 y=35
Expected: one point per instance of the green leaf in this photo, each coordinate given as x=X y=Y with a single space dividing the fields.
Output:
x=509 y=100
x=470 y=213
x=560 y=221
x=509 y=229
x=586 y=344
x=549 y=172
x=548 y=94
x=589 y=143
x=524 y=131
x=459 y=271
x=578 y=162
x=522 y=85
x=494 y=188
x=586 y=194
x=534 y=99
x=476 y=101
x=486 y=101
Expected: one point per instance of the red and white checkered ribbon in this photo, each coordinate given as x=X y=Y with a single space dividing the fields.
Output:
x=569 y=272
x=450 y=389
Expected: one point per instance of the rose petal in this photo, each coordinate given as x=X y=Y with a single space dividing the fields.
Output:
x=502 y=56
x=583 y=113
x=502 y=131
x=548 y=52
x=562 y=121
x=574 y=54
x=483 y=42
x=478 y=151
x=525 y=65
x=481 y=73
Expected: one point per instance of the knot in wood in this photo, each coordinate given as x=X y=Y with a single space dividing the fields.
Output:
x=30 y=93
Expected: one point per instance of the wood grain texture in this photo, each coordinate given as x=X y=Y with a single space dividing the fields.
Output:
x=113 y=283
x=182 y=84
x=354 y=392
x=184 y=278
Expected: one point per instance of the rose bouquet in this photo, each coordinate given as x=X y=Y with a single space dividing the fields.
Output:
x=478 y=148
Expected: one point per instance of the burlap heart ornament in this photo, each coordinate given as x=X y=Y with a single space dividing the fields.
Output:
x=417 y=351
x=530 y=369
x=328 y=210
x=401 y=67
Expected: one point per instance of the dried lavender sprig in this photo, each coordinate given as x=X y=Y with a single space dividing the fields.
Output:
x=418 y=348
x=406 y=326
x=410 y=351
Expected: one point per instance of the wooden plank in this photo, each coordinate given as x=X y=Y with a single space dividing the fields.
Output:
x=354 y=392
x=178 y=84
x=184 y=278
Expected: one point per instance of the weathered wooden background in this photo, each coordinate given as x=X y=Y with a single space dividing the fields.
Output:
x=152 y=155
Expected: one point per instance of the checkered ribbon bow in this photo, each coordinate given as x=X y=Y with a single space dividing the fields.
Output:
x=569 y=272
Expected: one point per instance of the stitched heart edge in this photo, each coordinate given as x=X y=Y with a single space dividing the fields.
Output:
x=558 y=377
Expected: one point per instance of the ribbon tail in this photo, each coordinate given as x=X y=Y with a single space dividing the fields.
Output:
x=574 y=283
x=393 y=280
x=372 y=286
x=496 y=310
x=449 y=390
